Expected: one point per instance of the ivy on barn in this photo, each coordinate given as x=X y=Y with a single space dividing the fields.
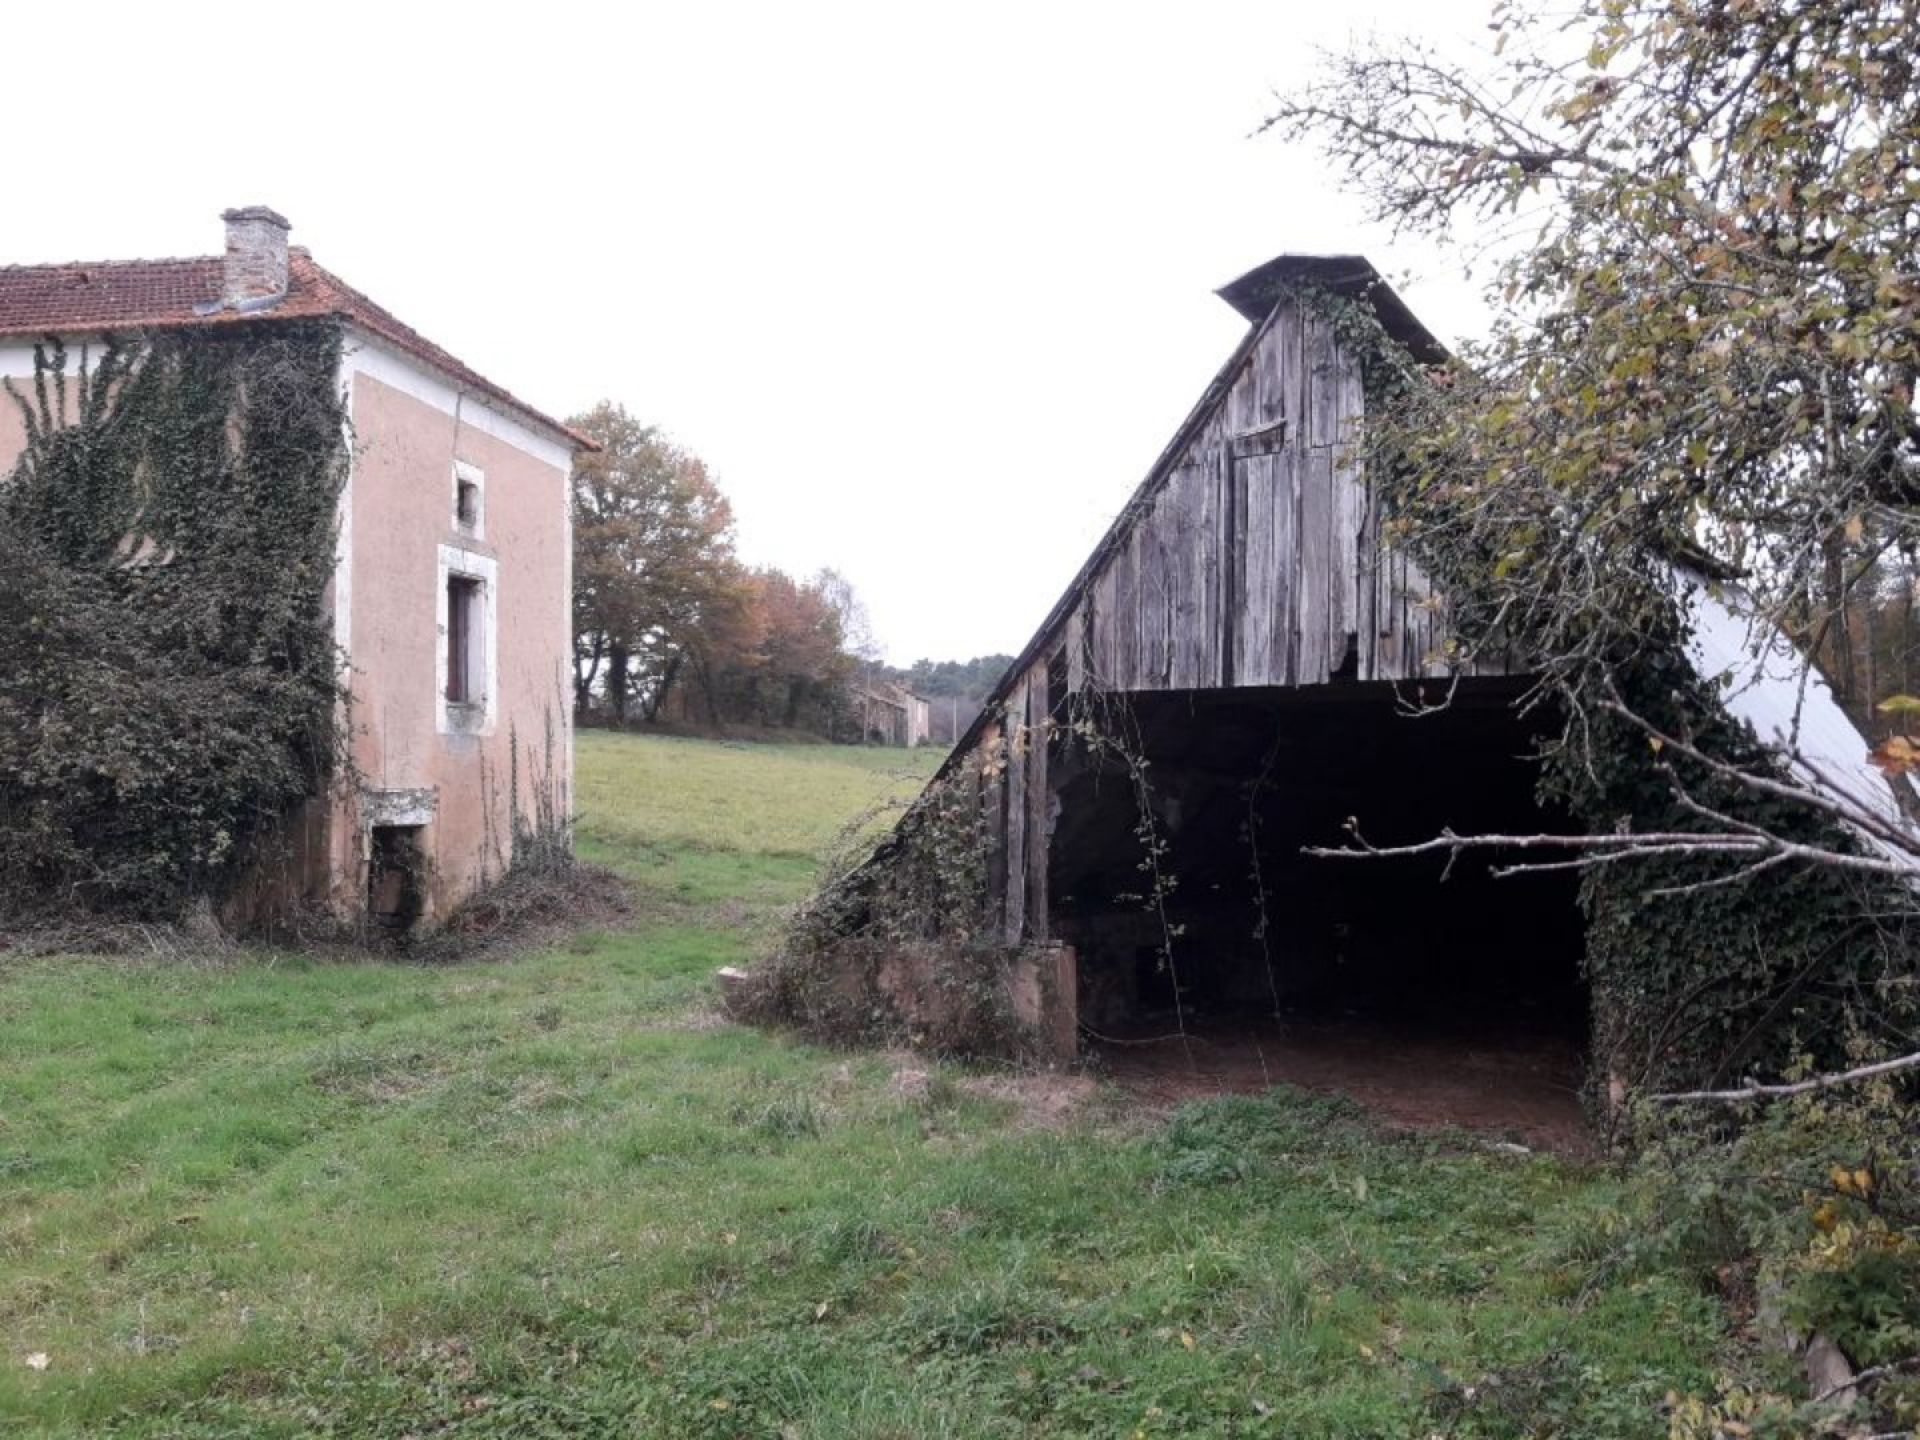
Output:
x=170 y=690
x=900 y=945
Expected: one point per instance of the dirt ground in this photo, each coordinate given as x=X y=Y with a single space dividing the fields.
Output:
x=1504 y=1082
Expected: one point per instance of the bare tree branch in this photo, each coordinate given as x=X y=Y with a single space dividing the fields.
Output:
x=1798 y=1087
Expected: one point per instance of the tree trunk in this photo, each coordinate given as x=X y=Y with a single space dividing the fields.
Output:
x=667 y=677
x=1907 y=577
x=1839 y=634
x=583 y=679
x=1872 y=636
x=618 y=673
x=712 y=689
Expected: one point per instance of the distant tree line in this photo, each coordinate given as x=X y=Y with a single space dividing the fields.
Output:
x=671 y=626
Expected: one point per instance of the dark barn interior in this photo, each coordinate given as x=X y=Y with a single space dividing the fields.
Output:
x=1443 y=999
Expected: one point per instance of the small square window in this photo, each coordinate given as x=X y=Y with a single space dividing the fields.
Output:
x=469 y=499
x=466 y=504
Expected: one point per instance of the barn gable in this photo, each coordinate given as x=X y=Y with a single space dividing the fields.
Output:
x=1252 y=554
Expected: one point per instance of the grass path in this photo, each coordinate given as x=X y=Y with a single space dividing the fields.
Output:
x=274 y=1196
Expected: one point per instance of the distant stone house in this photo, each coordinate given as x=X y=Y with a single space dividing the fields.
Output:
x=451 y=593
x=891 y=714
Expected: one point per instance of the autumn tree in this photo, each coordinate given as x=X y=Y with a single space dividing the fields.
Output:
x=655 y=575
x=1706 y=329
x=792 y=667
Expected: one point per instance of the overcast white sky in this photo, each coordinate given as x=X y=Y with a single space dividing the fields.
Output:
x=928 y=286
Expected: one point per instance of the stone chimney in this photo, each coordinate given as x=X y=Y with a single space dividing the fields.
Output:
x=256 y=261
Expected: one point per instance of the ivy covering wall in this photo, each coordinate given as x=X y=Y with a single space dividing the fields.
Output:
x=169 y=686
x=1698 y=981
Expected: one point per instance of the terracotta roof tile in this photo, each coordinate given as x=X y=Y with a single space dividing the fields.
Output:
x=82 y=296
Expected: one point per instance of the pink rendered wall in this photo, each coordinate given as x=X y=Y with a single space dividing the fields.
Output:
x=401 y=512
x=13 y=432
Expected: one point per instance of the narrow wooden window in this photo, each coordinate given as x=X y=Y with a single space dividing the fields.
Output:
x=463 y=619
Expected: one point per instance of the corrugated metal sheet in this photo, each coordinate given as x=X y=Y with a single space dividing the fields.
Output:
x=1764 y=680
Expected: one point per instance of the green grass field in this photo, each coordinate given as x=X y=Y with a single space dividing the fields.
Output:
x=555 y=1195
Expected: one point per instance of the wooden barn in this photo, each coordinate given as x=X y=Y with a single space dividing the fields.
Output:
x=1246 y=628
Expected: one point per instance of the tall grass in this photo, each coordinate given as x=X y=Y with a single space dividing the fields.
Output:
x=555 y=1195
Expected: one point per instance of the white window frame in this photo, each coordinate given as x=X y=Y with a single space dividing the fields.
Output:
x=474 y=717
x=468 y=474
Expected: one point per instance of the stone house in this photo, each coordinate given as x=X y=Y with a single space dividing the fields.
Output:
x=891 y=714
x=451 y=594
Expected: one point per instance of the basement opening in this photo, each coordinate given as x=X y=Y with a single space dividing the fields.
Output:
x=395 y=892
x=1435 y=1001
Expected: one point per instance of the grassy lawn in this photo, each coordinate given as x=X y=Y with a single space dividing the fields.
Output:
x=556 y=1195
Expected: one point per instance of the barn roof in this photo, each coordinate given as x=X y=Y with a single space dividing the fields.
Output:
x=82 y=297
x=1253 y=295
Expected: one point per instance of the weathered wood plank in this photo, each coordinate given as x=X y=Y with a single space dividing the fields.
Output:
x=1252 y=489
x=1270 y=362
x=1099 y=625
x=1350 y=492
x=1367 y=590
x=1352 y=399
x=1235 y=404
x=1323 y=385
x=1076 y=639
x=1283 y=574
x=1205 y=663
x=1314 y=475
x=1265 y=571
x=1241 y=548
x=1182 y=638
x=1153 y=551
x=1345 y=580
x=1299 y=381
x=1126 y=617
x=1167 y=564
x=1197 y=655
x=1218 y=567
